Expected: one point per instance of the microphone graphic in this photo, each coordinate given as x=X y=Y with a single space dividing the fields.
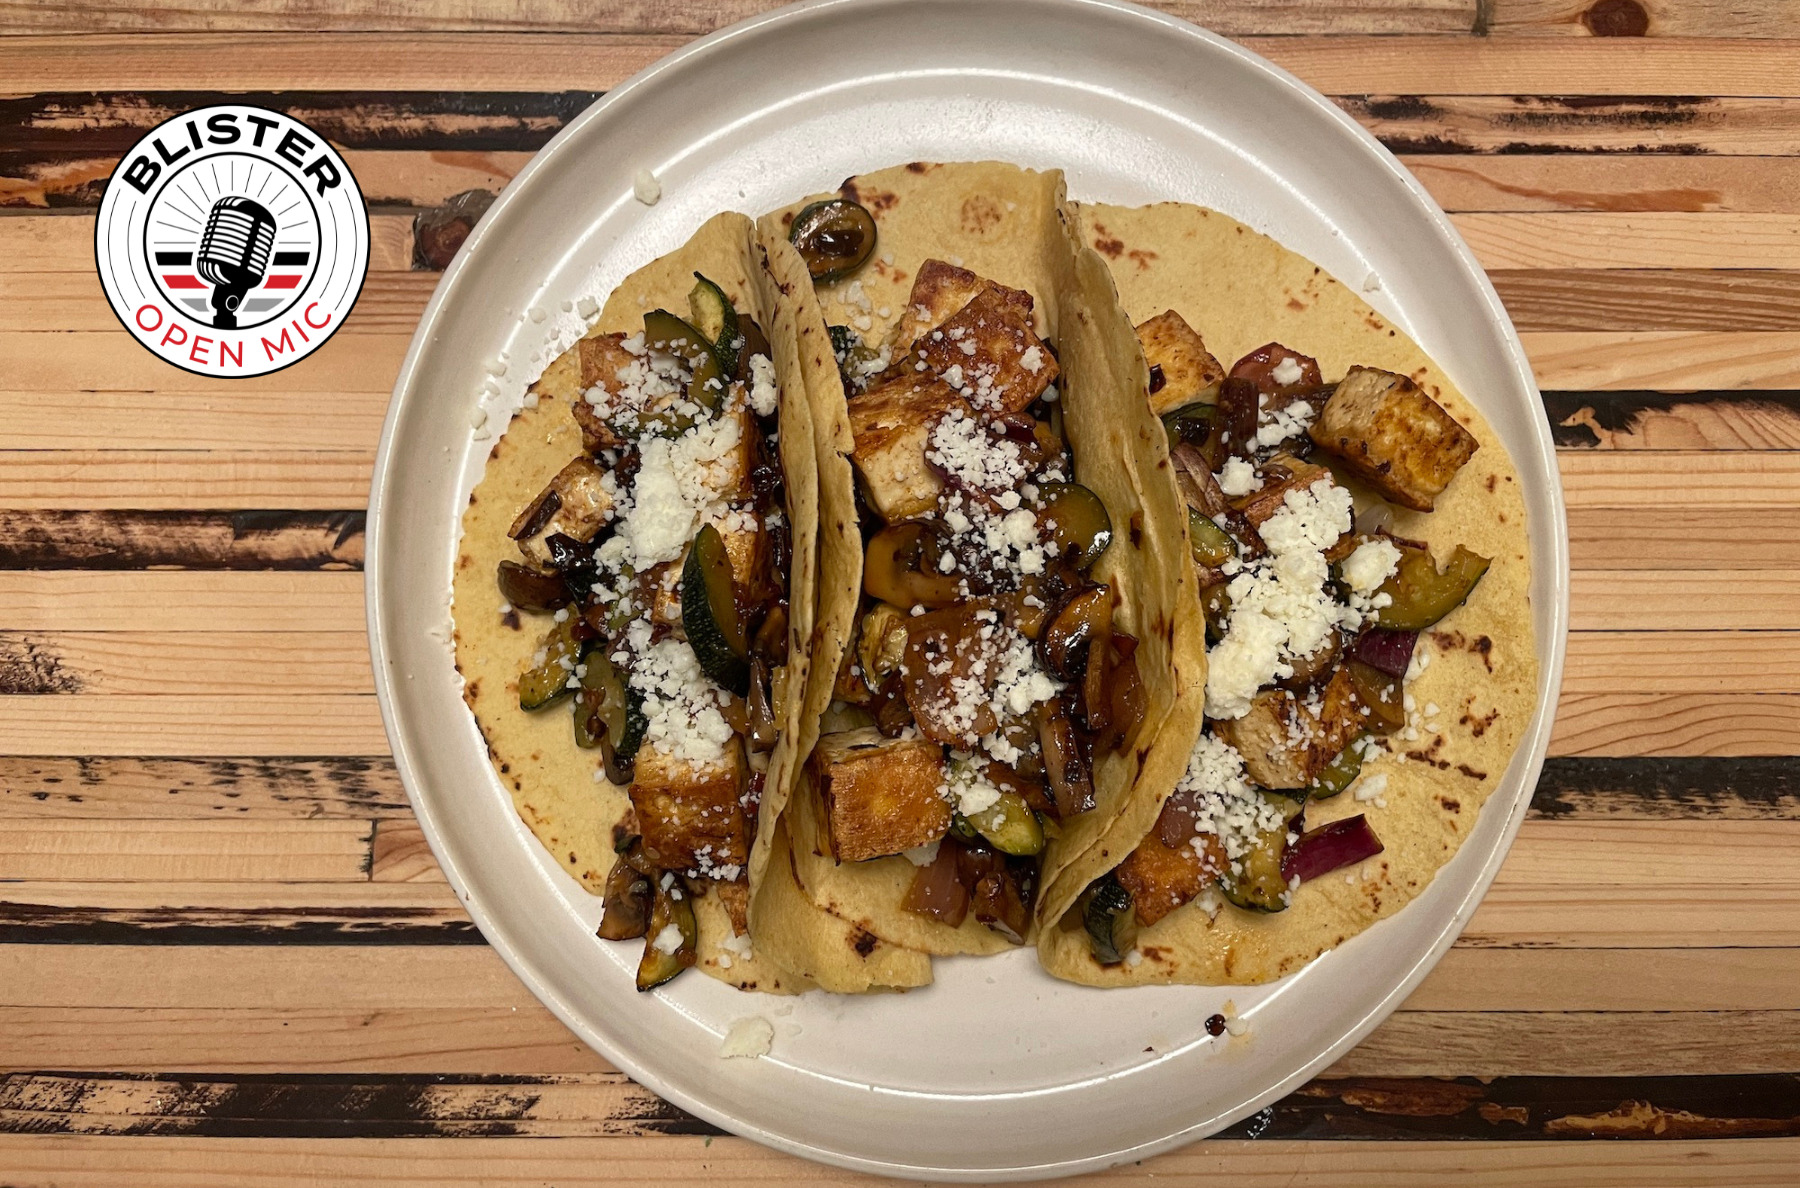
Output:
x=234 y=254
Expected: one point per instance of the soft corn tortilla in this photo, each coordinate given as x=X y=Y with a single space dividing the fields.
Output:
x=554 y=784
x=1240 y=290
x=1002 y=223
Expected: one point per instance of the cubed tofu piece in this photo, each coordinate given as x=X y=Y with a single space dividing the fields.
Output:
x=1280 y=474
x=576 y=504
x=601 y=359
x=1162 y=878
x=663 y=582
x=748 y=549
x=1188 y=372
x=728 y=476
x=690 y=815
x=891 y=425
x=939 y=290
x=1287 y=740
x=1392 y=436
x=988 y=351
x=880 y=795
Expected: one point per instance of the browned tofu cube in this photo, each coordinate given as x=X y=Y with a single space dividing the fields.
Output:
x=601 y=359
x=939 y=290
x=728 y=476
x=1392 y=436
x=1280 y=474
x=661 y=584
x=690 y=814
x=881 y=796
x=891 y=425
x=574 y=504
x=1187 y=371
x=1161 y=878
x=989 y=353
x=1287 y=740
x=748 y=551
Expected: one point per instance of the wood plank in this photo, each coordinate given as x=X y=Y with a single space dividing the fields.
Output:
x=186 y=851
x=64 y=242
x=1678 y=600
x=1631 y=239
x=1677 y=724
x=1597 y=1043
x=1673 y=916
x=134 y=724
x=186 y=419
x=1745 y=481
x=81 y=361
x=61 y=300
x=226 y=913
x=103 y=663
x=359 y=788
x=1509 y=123
x=1645 y=420
x=1681 y=538
x=683 y=16
x=137 y=539
x=100 y=1161
x=1683 y=662
x=71 y=479
x=1660 y=18
x=1744 y=789
x=1673 y=360
x=1625 y=182
x=1650 y=299
x=312 y=1105
x=78 y=600
x=1560 y=980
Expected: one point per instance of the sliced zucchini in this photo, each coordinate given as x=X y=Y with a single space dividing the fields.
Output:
x=1192 y=424
x=1341 y=772
x=600 y=703
x=1422 y=594
x=853 y=357
x=1078 y=521
x=628 y=898
x=1009 y=826
x=671 y=906
x=834 y=237
x=714 y=316
x=1258 y=885
x=548 y=679
x=1110 y=917
x=663 y=331
x=1211 y=544
x=709 y=613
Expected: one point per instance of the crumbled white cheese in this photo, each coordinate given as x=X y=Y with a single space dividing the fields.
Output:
x=1373 y=563
x=1371 y=283
x=764 y=393
x=1134 y=959
x=1288 y=371
x=1032 y=360
x=966 y=788
x=748 y=1038
x=645 y=188
x=961 y=446
x=923 y=855
x=668 y=940
x=1238 y=477
x=537 y=313
x=681 y=704
x=1280 y=608
x=1371 y=787
x=1282 y=423
x=588 y=308
x=1227 y=806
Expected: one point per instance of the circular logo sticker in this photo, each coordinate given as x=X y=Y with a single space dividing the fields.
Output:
x=232 y=241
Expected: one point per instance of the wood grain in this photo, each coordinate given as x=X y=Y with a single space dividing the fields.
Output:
x=191 y=851
x=271 y=724
x=95 y=1161
x=1663 y=18
x=1677 y=724
x=79 y=600
x=359 y=788
x=1672 y=538
x=103 y=663
x=1650 y=299
x=1644 y=420
x=1663 y=123
x=67 y=911
x=1672 y=360
x=1631 y=239
x=138 y=539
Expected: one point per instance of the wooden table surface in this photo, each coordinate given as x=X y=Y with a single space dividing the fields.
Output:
x=227 y=957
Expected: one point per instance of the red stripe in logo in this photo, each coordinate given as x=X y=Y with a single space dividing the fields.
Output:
x=281 y=282
x=179 y=281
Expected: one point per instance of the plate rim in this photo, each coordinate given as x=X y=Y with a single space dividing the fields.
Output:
x=1533 y=743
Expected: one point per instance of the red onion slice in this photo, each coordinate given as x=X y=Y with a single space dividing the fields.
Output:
x=1386 y=649
x=1330 y=847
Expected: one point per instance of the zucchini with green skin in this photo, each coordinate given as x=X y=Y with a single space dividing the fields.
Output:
x=1212 y=546
x=835 y=238
x=715 y=317
x=1192 y=424
x=668 y=907
x=1258 y=884
x=1110 y=917
x=709 y=613
x=1009 y=826
x=1341 y=772
x=665 y=332
x=1422 y=594
x=608 y=714
x=548 y=679
x=1077 y=520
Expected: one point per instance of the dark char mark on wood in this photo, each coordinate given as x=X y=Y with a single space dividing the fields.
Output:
x=29 y=664
x=362 y=1105
x=89 y=786
x=1619 y=412
x=165 y=539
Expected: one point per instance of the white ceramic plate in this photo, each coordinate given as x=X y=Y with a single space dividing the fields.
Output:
x=996 y=1071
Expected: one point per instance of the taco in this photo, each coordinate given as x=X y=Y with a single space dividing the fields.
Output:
x=633 y=599
x=1358 y=539
x=999 y=635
